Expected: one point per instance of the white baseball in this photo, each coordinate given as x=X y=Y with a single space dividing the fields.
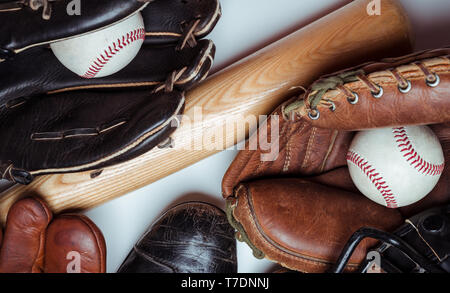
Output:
x=103 y=52
x=396 y=167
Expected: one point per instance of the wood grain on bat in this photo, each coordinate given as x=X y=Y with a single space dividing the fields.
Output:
x=253 y=86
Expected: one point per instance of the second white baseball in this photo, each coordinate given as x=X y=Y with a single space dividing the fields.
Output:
x=103 y=52
x=396 y=167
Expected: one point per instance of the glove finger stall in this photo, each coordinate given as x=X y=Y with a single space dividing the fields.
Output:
x=37 y=71
x=174 y=21
x=22 y=250
x=24 y=27
x=72 y=237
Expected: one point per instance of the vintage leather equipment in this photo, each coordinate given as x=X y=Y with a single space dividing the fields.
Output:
x=181 y=22
x=37 y=71
x=58 y=122
x=84 y=130
x=420 y=245
x=35 y=242
x=301 y=207
x=193 y=237
x=30 y=23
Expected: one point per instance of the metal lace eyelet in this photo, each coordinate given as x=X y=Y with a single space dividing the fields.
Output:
x=435 y=83
x=314 y=116
x=379 y=94
x=406 y=89
x=333 y=106
x=355 y=99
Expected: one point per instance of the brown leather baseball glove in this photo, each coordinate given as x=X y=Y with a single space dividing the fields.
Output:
x=300 y=207
x=34 y=242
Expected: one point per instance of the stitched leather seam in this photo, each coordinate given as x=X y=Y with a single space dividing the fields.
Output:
x=287 y=160
x=309 y=147
x=114 y=48
x=118 y=153
x=375 y=177
x=282 y=250
x=330 y=149
x=412 y=156
x=261 y=163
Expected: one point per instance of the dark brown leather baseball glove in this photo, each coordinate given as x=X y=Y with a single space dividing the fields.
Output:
x=56 y=122
x=300 y=207
x=32 y=23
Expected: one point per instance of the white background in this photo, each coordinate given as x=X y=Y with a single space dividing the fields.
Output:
x=246 y=26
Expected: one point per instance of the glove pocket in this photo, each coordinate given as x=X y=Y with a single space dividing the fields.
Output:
x=304 y=225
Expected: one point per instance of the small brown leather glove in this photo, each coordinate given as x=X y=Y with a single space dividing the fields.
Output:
x=300 y=208
x=34 y=242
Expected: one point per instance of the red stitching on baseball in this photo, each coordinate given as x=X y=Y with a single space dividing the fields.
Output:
x=411 y=155
x=113 y=49
x=375 y=177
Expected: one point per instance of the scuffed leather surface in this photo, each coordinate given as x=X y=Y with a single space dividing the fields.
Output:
x=34 y=242
x=22 y=249
x=37 y=71
x=422 y=105
x=305 y=225
x=316 y=152
x=38 y=94
x=167 y=20
x=139 y=116
x=189 y=238
x=304 y=151
x=74 y=233
x=310 y=158
x=25 y=27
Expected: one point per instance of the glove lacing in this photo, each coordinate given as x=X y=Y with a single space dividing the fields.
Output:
x=173 y=78
x=6 y=173
x=315 y=95
x=188 y=36
x=33 y=4
x=189 y=39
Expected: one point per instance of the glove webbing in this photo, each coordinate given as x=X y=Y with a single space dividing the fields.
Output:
x=320 y=88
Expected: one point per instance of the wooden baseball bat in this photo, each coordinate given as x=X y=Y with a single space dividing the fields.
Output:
x=253 y=86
